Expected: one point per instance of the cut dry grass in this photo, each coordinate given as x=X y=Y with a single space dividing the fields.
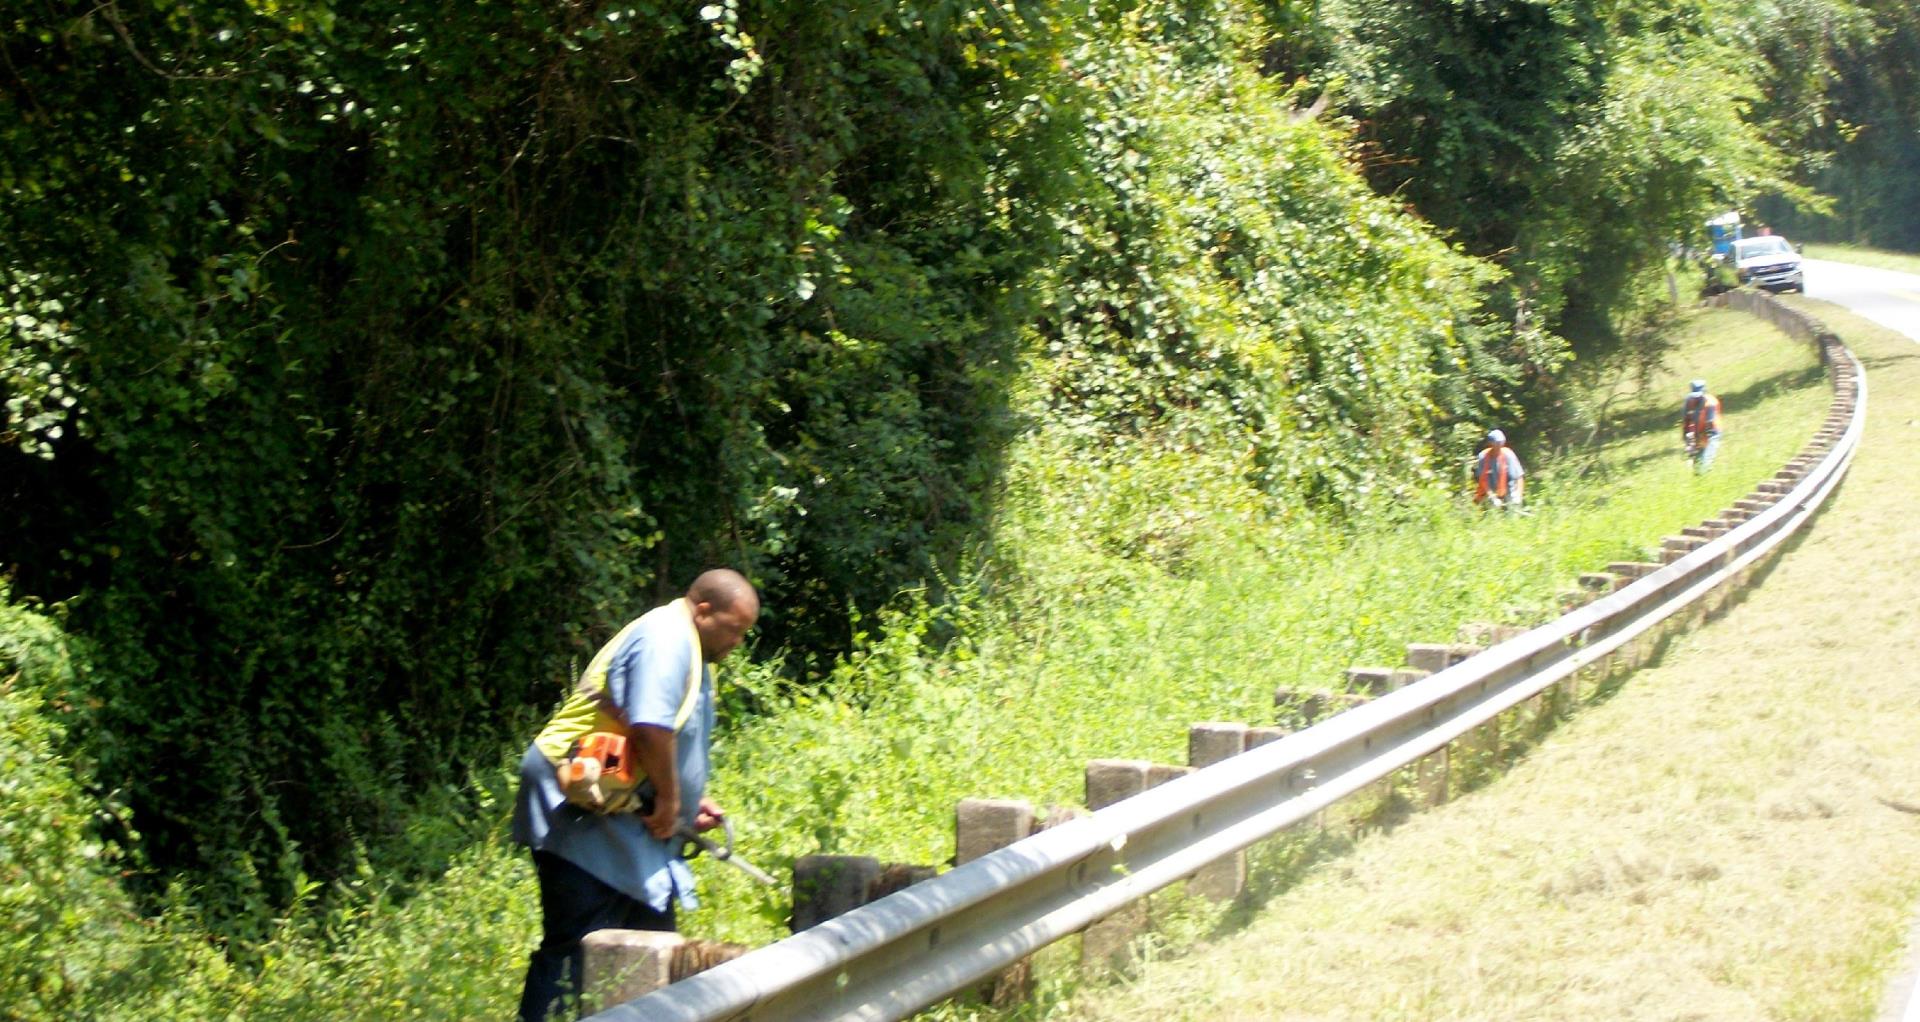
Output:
x=1710 y=843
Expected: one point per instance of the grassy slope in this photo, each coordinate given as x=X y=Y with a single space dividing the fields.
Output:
x=1731 y=861
x=1155 y=597
x=1905 y=262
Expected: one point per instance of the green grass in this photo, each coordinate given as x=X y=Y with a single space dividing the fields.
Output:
x=1126 y=594
x=1152 y=591
x=1905 y=262
x=1711 y=842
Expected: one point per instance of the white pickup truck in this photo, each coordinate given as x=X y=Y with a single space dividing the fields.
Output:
x=1768 y=261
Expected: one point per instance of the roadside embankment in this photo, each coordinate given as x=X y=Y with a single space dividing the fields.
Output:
x=1721 y=839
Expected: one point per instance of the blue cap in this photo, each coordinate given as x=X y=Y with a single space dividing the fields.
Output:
x=1699 y=386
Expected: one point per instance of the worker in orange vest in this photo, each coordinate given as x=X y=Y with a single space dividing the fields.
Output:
x=1700 y=425
x=1499 y=478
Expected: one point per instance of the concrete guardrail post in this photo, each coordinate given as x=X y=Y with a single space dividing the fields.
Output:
x=1115 y=780
x=1373 y=681
x=620 y=965
x=1298 y=707
x=1258 y=736
x=1485 y=742
x=1485 y=634
x=981 y=826
x=1209 y=743
x=1430 y=776
x=1404 y=676
x=825 y=886
x=1107 y=944
x=1436 y=657
x=1213 y=741
x=1672 y=548
x=1161 y=773
x=1599 y=581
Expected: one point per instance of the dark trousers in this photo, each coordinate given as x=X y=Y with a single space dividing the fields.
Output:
x=574 y=903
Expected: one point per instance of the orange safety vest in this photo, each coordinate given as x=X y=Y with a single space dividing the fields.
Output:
x=1492 y=473
x=1701 y=415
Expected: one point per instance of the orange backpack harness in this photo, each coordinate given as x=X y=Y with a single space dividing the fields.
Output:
x=1701 y=415
x=1493 y=473
x=587 y=738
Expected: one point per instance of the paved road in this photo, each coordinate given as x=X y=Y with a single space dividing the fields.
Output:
x=1888 y=298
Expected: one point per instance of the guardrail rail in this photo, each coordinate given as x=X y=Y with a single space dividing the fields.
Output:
x=920 y=945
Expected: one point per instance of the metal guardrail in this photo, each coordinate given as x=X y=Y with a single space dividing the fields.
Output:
x=916 y=947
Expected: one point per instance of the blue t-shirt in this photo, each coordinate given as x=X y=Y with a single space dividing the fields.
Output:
x=647 y=680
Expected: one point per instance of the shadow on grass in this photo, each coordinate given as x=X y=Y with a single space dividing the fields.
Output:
x=1883 y=361
x=1278 y=866
x=1658 y=418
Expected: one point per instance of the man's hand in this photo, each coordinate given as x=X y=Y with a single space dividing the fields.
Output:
x=665 y=818
x=709 y=815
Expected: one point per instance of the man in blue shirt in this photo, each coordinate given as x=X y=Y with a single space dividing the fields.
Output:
x=649 y=688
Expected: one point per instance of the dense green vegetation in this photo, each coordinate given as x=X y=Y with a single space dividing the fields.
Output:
x=362 y=372
x=1132 y=619
x=1572 y=142
x=1866 y=126
x=367 y=371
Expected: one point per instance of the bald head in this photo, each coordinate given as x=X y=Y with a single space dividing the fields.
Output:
x=723 y=587
x=724 y=607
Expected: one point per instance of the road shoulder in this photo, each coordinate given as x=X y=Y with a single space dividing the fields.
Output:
x=1714 y=842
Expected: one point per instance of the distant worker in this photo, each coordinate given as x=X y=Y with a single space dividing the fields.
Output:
x=1700 y=425
x=1499 y=479
x=619 y=771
